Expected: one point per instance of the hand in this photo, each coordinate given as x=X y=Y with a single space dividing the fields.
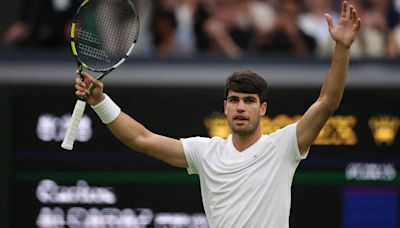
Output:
x=96 y=95
x=349 y=24
x=17 y=32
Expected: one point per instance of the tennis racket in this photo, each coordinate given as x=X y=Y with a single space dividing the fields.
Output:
x=103 y=34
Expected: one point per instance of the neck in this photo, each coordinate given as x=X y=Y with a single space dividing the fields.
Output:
x=242 y=142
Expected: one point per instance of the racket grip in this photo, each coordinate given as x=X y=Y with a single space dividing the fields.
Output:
x=68 y=142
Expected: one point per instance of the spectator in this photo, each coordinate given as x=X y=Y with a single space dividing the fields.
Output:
x=375 y=28
x=164 y=26
x=312 y=23
x=393 y=46
x=229 y=27
x=144 y=44
x=185 y=13
x=234 y=23
x=201 y=13
x=44 y=23
x=286 y=37
x=173 y=27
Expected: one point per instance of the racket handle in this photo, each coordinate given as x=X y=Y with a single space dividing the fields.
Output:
x=68 y=142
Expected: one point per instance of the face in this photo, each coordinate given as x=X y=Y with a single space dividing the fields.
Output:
x=243 y=111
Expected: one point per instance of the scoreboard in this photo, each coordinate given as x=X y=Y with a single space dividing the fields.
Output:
x=350 y=178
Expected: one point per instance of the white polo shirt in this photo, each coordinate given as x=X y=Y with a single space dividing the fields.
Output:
x=248 y=189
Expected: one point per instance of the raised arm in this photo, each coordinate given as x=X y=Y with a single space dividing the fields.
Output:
x=331 y=93
x=131 y=132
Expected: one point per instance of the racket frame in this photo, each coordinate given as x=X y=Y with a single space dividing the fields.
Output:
x=80 y=104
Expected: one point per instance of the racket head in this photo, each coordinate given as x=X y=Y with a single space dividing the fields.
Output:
x=104 y=33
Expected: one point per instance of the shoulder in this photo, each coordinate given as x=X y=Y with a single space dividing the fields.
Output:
x=286 y=140
x=202 y=139
x=287 y=130
x=196 y=148
x=199 y=141
x=283 y=135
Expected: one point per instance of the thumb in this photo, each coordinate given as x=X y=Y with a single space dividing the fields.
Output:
x=96 y=86
x=90 y=80
x=84 y=76
x=96 y=83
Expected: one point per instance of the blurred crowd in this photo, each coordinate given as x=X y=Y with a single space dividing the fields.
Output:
x=231 y=28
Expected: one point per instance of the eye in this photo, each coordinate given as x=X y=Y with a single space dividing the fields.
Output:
x=232 y=99
x=249 y=100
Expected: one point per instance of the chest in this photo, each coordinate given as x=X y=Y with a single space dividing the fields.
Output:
x=223 y=167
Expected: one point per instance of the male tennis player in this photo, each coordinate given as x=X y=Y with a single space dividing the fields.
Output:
x=245 y=179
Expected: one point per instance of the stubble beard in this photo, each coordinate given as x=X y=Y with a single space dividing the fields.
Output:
x=244 y=130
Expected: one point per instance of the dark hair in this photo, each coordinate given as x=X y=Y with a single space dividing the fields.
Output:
x=247 y=82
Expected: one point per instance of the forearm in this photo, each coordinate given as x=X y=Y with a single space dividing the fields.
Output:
x=311 y=123
x=316 y=116
x=137 y=137
x=128 y=131
x=335 y=81
x=120 y=124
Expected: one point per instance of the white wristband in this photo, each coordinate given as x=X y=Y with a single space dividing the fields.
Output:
x=107 y=110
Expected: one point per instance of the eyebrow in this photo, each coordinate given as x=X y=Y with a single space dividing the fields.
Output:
x=250 y=97
x=245 y=97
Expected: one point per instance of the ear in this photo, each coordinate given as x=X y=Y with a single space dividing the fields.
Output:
x=225 y=107
x=263 y=109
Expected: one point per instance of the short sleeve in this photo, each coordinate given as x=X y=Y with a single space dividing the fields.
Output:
x=194 y=148
x=286 y=139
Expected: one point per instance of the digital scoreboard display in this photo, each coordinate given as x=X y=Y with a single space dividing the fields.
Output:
x=350 y=173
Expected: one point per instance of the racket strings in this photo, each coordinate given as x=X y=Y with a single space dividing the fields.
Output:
x=117 y=30
x=105 y=32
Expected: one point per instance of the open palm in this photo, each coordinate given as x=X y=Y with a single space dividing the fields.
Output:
x=349 y=23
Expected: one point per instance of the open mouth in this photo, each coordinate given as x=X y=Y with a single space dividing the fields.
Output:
x=240 y=118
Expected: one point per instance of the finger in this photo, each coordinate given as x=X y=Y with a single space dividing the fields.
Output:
x=329 y=20
x=85 y=75
x=352 y=14
x=79 y=93
x=80 y=88
x=87 y=78
x=345 y=9
x=358 y=24
x=79 y=82
x=355 y=15
x=78 y=74
x=96 y=83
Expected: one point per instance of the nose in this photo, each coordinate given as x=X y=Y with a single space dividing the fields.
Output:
x=240 y=106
